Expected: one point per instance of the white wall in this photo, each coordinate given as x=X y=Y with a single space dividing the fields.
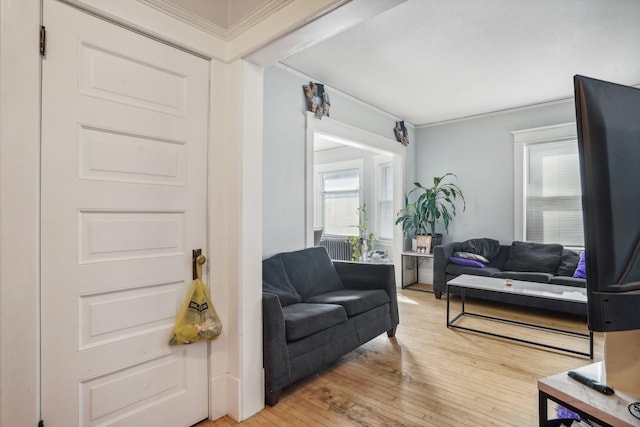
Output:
x=284 y=153
x=283 y=222
x=480 y=152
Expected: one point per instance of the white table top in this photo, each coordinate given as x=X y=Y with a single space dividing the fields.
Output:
x=611 y=409
x=417 y=254
x=521 y=287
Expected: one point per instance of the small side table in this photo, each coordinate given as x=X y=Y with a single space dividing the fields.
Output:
x=588 y=403
x=417 y=256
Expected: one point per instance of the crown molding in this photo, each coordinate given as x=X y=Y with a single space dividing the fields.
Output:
x=504 y=111
x=258 y=15
x=332 y=89
x=227 y=34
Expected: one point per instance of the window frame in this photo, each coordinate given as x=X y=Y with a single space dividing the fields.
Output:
x=565 y=132
x=381 y=163
x=319 y=170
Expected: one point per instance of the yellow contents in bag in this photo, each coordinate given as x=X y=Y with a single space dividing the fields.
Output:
x=197 y=319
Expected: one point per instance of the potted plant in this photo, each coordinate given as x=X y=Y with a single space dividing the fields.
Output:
x=433 y=205
x=359 y=243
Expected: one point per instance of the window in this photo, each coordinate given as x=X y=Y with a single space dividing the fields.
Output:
x=547 y=186
x=553 y=194
x=339 y=201
x=384 y=201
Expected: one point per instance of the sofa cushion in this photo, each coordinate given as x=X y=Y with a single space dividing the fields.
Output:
x=456 y=270
x=535 y=257
x=353 y=301
x=466 y=262
x=501 y=259
x=488 y=248
x=568 y=262
x=276 y=281
x=301 y=320
x=471 y=256
x=569 y=281
x=342 y=338
x=311 y=271
x=527 y=276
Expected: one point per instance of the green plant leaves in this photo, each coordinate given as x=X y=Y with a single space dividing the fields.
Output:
x=433 y=205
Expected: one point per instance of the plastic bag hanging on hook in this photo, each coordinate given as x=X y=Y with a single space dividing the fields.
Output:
x=197 y=319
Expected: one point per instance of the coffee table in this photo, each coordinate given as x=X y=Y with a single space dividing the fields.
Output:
x=524 y=289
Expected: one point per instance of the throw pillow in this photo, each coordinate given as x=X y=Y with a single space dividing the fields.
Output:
x=474 y=257
x=581 y=269
x=488 y=248
x=534 y=257
x=466 y=262
x=568 y=263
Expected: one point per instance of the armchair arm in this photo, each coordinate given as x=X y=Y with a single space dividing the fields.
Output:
x=274 y=342
x=441 y=254
x=370 y=276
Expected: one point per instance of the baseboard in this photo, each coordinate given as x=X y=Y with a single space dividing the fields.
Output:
x=223 y=397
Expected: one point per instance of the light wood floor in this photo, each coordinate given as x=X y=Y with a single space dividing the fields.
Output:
x=429 y=375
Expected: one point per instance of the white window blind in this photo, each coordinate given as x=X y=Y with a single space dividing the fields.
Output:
x=553 y=201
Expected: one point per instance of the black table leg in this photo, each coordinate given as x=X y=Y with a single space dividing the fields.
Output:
x=542 y=409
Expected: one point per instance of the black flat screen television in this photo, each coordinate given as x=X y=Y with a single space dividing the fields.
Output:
x=608 y=124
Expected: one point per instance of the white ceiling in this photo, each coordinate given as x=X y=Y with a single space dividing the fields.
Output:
x=428 y=61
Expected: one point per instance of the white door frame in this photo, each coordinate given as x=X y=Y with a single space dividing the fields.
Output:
x=19 y=211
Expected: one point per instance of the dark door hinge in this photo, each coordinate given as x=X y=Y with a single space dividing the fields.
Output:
x=43 y=47
x=41 y=423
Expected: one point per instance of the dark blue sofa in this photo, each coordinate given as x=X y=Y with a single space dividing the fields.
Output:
x=316 y=310
x=532 y=262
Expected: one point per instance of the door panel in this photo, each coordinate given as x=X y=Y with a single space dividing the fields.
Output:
x=124 y=149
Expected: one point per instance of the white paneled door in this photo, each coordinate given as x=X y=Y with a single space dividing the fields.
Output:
x=124 y=173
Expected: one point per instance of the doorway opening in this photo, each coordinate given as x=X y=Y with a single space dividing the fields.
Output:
x=353 y=200
x=348 y=168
